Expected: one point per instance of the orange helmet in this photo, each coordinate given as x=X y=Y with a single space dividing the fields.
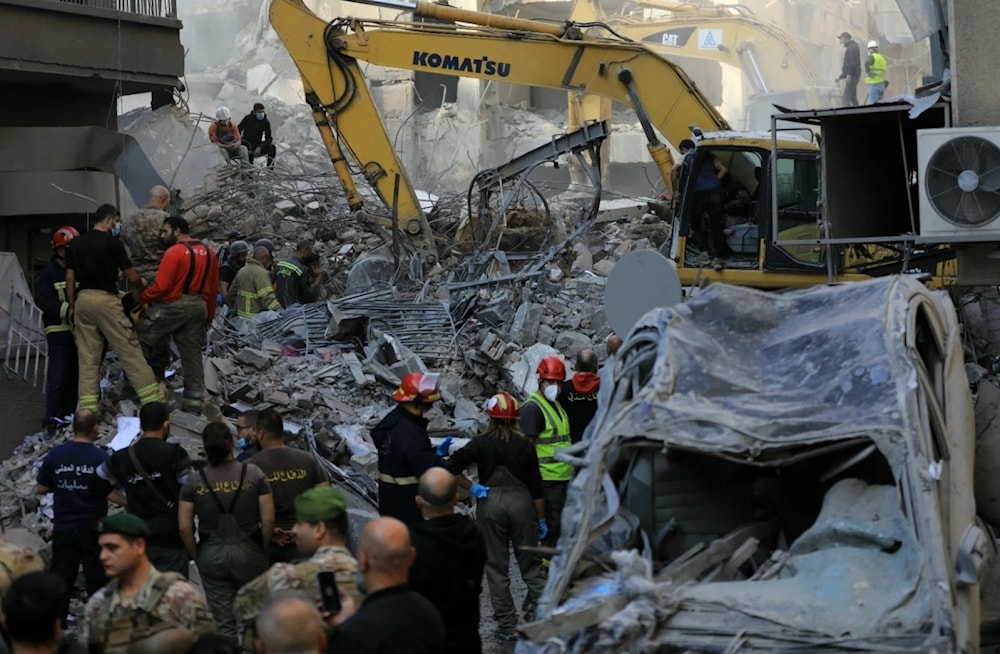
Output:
x=502 y=406
x=420 y=387
x=64 y=235
x=552 y=367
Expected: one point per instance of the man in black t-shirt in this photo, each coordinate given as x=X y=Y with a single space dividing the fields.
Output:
x=93 y=260
x=152 y=491
x=289 y=471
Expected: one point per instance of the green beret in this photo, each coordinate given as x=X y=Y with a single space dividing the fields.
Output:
x=320 y=504
x=125 y=524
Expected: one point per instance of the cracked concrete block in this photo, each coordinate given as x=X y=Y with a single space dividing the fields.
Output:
x=523 y=372
x=524 y=326
x=583 y=260
x=604 y=267
x=546 y=335
x=570 y=343
x=253 y=357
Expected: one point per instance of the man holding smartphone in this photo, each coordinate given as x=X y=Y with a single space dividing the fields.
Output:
x=321 y=534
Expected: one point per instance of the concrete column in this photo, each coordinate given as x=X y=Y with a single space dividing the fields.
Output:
x=974 y=55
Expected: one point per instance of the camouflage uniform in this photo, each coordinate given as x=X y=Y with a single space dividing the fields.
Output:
x=111 y=622
x=296 y=576
x=141 y=234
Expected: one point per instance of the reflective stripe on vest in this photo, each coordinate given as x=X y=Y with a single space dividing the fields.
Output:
x=63 y=325
x=287 y=269
x=248 y=297
x=398 y=481
x=876 y=72
x=554 y=437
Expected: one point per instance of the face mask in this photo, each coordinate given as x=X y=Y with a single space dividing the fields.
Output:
x=551 y=393
x=116 y=230
x=242 y=443
x=260 y=116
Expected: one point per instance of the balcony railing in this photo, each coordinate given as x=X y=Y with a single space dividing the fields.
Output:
x=158 y=8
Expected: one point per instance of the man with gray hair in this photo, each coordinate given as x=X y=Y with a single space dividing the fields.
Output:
x=288 y=622
x=251 y=287
x=451 y=556
x=291 y=277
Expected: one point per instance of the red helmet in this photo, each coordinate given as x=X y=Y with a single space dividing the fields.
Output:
x=64 y=235
x=552 y=367
x=502 y=406
x=421 y=387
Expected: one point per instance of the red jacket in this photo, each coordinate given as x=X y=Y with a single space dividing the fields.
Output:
x=172 y=276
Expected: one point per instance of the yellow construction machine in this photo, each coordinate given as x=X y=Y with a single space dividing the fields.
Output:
x=777 y=69
x=776 y=174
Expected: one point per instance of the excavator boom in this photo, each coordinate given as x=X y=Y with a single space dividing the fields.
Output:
x=486 y=46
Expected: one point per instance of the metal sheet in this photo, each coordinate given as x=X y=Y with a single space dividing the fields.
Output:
x=640 y=281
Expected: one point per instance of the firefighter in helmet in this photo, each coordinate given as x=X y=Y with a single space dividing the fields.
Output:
x=545 y=421
x=510 y=505
x=404 y=449
x=50 y=296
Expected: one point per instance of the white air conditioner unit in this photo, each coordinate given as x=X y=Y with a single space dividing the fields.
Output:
x=959 y=184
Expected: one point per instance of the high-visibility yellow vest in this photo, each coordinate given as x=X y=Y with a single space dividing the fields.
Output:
x=876 y=72
x=554 y=437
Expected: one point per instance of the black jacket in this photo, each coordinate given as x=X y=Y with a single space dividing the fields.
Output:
x=852 y=60
x=392 y=621
x=254 y=132
x=487 y=451
x=448 y=571
x=404 y=453
x=50 y=296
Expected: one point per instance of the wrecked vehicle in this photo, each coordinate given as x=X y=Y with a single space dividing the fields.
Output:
x=776 y=472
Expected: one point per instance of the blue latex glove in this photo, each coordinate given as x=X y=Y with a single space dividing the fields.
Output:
x=479 y=491
x=442 y=449
x=543 y=529
x=218 y=299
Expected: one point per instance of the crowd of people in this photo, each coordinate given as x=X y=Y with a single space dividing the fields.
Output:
x=262 y=525
x=174 y=285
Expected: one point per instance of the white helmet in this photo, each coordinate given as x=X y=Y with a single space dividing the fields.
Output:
x=222 y=113
x=873 y=44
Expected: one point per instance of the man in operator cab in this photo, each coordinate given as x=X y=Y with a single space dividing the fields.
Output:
x=709 y=198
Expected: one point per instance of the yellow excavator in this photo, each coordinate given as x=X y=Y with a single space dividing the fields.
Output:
x=775 y=177
x=776 y=67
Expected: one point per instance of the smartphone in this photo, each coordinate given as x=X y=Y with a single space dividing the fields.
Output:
x=329 y=592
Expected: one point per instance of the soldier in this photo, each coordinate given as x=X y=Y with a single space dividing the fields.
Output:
x=321 y=534
x=141 y=609
x=141 y=232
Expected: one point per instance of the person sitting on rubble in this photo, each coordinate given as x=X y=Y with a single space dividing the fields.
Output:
x=226 y=135
x=510 y=502
x=251 y=288
x=404 y=449
x=291 y=277
x=257 y=134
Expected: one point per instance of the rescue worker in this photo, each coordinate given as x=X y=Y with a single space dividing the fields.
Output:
x=141 y=609
x=61 y=373
x=579 y=395
x=543 y=420
x=404 y=449
x=510 y=508
x=290 y=471
x=247 y=438
x=448 y=541
x=151 y=472
x=850 y=71
x=93 y=260
x=235 y=512
x=257 y=135
x=264 y=243
x=226 y=135
x=320 y=534
x=181 y=305
x=291 y=277
x=141 y=231
x=251 y=288
x=238 y=252
x=875 y=68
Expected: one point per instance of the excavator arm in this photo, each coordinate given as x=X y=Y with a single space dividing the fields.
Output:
x=483 y=46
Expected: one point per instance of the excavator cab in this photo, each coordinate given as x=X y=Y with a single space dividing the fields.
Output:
x=750 y=178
